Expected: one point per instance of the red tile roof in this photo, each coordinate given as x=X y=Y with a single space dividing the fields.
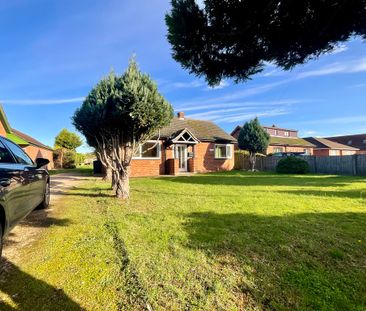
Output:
x=356 y=141
x=323 y=143
x=30 y=139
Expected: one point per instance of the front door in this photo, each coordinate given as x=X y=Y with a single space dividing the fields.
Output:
x=182 y=157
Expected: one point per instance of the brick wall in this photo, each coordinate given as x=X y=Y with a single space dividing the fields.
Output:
x=205 y=159
x=280 y=132
x=36 y=152
x=326 y=152
x=2 y=130
x=270 y=149
x=148 y=167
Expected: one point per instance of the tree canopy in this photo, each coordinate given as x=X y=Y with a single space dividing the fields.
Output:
x=234 y=39
x=253 y=138
x=67 y=140
x=119 y=113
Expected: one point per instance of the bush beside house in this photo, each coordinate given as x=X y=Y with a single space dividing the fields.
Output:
x=292 y=165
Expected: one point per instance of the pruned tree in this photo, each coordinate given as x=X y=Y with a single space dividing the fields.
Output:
x=66 y=141
x=234 y=39
x=253 y=138
x=120 y=113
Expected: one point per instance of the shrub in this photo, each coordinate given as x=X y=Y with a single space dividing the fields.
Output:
x=292 y=165
x=69 y=159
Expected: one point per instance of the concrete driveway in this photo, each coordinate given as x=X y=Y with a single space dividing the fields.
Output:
x=32 y=226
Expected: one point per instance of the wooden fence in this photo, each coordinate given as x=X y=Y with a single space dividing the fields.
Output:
x=339 y=165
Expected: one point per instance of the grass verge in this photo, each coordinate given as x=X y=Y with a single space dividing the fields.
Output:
x=225 y=241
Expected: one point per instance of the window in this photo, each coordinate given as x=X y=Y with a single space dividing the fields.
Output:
x=5 y=155
x=287 y=134
x=222 y=151
x=277 y=150
x=20 y=156
x=148 y=150
x=307 y=151
x=347 y=152
x=275 y=133
x=333 y=152
x=364 y=141
x=349 y=142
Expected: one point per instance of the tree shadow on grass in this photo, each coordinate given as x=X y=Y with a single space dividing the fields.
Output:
x=303 y=261
x=245 y=179
x=30 y=293
x=351 y=194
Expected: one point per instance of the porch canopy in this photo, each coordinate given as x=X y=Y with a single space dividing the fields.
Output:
x=184 y=136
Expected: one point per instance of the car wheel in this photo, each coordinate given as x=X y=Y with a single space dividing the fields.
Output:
x=46 y=197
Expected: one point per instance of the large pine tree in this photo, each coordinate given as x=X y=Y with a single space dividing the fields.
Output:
x=234 y=39
x=254 y=139
x=120 y=113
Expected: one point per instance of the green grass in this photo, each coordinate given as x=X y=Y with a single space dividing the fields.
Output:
x=225 y=241
x=87 y=170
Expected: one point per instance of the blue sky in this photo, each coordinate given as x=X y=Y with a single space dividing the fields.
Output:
x=53 y=52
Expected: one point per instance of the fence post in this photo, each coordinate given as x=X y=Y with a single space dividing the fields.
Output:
x=315 y=166
x=354 y=164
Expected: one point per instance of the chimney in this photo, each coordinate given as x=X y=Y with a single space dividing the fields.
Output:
x=181 y=115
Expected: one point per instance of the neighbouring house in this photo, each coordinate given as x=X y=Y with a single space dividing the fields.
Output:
x=186 y=145
x=325 y=147
x=31 y=146
x=283 y=140
x=356 y=141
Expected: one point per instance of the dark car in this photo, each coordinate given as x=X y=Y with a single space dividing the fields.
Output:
x=24 y=185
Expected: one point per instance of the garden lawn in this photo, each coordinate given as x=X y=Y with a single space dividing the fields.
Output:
x=223 y=241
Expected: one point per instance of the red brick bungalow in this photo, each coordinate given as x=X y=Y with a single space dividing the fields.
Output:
x=356 y=141
x=325 y=147
x=186 y=145
x=31 y=146
x=283 y=140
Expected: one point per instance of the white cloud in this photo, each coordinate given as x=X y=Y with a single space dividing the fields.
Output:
x=248 y=104
x=186 y=85
x=247 y=116
x=43 y=101
x=354 y=66
x=327 y=70
x=339 y=49
x=222 y=85
x=337 y=120
x=361 y=85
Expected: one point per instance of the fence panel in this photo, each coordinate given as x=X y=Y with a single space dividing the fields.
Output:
x=339 y=165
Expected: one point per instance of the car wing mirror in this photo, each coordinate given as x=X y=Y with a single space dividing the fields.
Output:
x=41 y=162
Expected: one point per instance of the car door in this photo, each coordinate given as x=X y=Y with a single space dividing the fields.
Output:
x=33 y=178
x=13 y=187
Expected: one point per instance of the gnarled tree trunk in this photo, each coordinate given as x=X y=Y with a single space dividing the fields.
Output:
x=108 y=174
x=252 y=159
x=123 y=183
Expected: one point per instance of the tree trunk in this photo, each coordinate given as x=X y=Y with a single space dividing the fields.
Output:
x=108 y=175
x=123 y=184
x=114 y=181
x=62 y=158
x=252 y=158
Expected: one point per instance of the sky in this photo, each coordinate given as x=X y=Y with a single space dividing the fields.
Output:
x=54 y=52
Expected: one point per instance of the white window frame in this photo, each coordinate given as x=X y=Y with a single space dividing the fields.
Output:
x=228 y=148
x=278 y=149
x=139 y=157
x=287 y=133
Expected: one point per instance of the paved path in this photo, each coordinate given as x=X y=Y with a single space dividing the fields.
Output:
x=29 y=229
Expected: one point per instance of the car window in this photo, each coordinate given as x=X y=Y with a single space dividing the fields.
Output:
x=18 y=153
x=5 y=155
